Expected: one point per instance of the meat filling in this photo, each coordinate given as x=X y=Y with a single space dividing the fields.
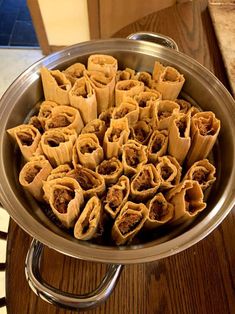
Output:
x=84 y=93
x=205 y=127
x=59 y=121
x=55 y=141
x=158 y=210
x=76 y=73
x=95 y=128
x=37 y=124
x=189 y=206
x=132 y=157
x=92 y=127
x=106 y=116
x=81 y=91
x=129 y=223
x=141 y=132
x=121 y=113
x=107 y=168
x=25 y=138
x=85 y=179
x=164 y=114
x=143 y=181
x=145 y=79
x=184 y=105
x=87 y=149
x=166 y=172
x=200 y=175
x=181 y=124
x=62 y=199
x=143 y=103
x=157 y=144
x=115 y=135
x=31 y=173
x=128 y=86
x=114 y=197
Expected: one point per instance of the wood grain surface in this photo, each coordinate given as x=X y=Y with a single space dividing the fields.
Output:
x=198 y=280
x=118 y=13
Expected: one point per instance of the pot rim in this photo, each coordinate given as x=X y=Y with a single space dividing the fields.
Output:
x=135 y=253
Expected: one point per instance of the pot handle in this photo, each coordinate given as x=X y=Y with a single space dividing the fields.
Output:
x=156 y=38
x=63 y=299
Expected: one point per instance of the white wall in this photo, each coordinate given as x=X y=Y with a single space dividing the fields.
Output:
x=66 y=21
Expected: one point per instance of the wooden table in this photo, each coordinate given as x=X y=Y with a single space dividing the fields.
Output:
x=198 y=280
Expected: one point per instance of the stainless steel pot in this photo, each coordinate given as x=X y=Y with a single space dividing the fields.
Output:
x=201 y=87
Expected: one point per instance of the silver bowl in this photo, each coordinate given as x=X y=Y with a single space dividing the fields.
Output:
x=201 y=87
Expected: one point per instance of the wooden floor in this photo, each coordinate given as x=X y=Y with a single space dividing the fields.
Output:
x=198 y=280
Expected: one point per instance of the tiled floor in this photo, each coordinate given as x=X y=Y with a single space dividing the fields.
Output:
x=15 y=61
x=16 y=28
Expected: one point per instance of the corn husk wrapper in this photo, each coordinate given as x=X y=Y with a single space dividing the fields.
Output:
x=169 y=170
x=74 y=72
x=92 y=183
x=104 y=86
x=141 y=132
x=146 y=100
x=117 y=196
x=57 y=145
x=167 y=80
x=65 y=198
x=55 y=86
x=106 y=116
x=162 y=113
x=64 y=117
x=127 y=88
x=27 y=138
x=126 y=74
x=32 y=175
x=160 y=212
x=129 y=222
x=205 y=128
x=128 y=108
x=158 y=144
x=193 y=110
x=110 y=169
x=134 y=156
x=88 y=222
x=96 y=127
x=82 y=97
x=203 y=172
x=45 y=111
x=179 y=136
x=59 y=172
x=103 y=63
x=87 y=151
x=38 y=152
x=187 y=199
x=145 y=183
x=115 y=136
